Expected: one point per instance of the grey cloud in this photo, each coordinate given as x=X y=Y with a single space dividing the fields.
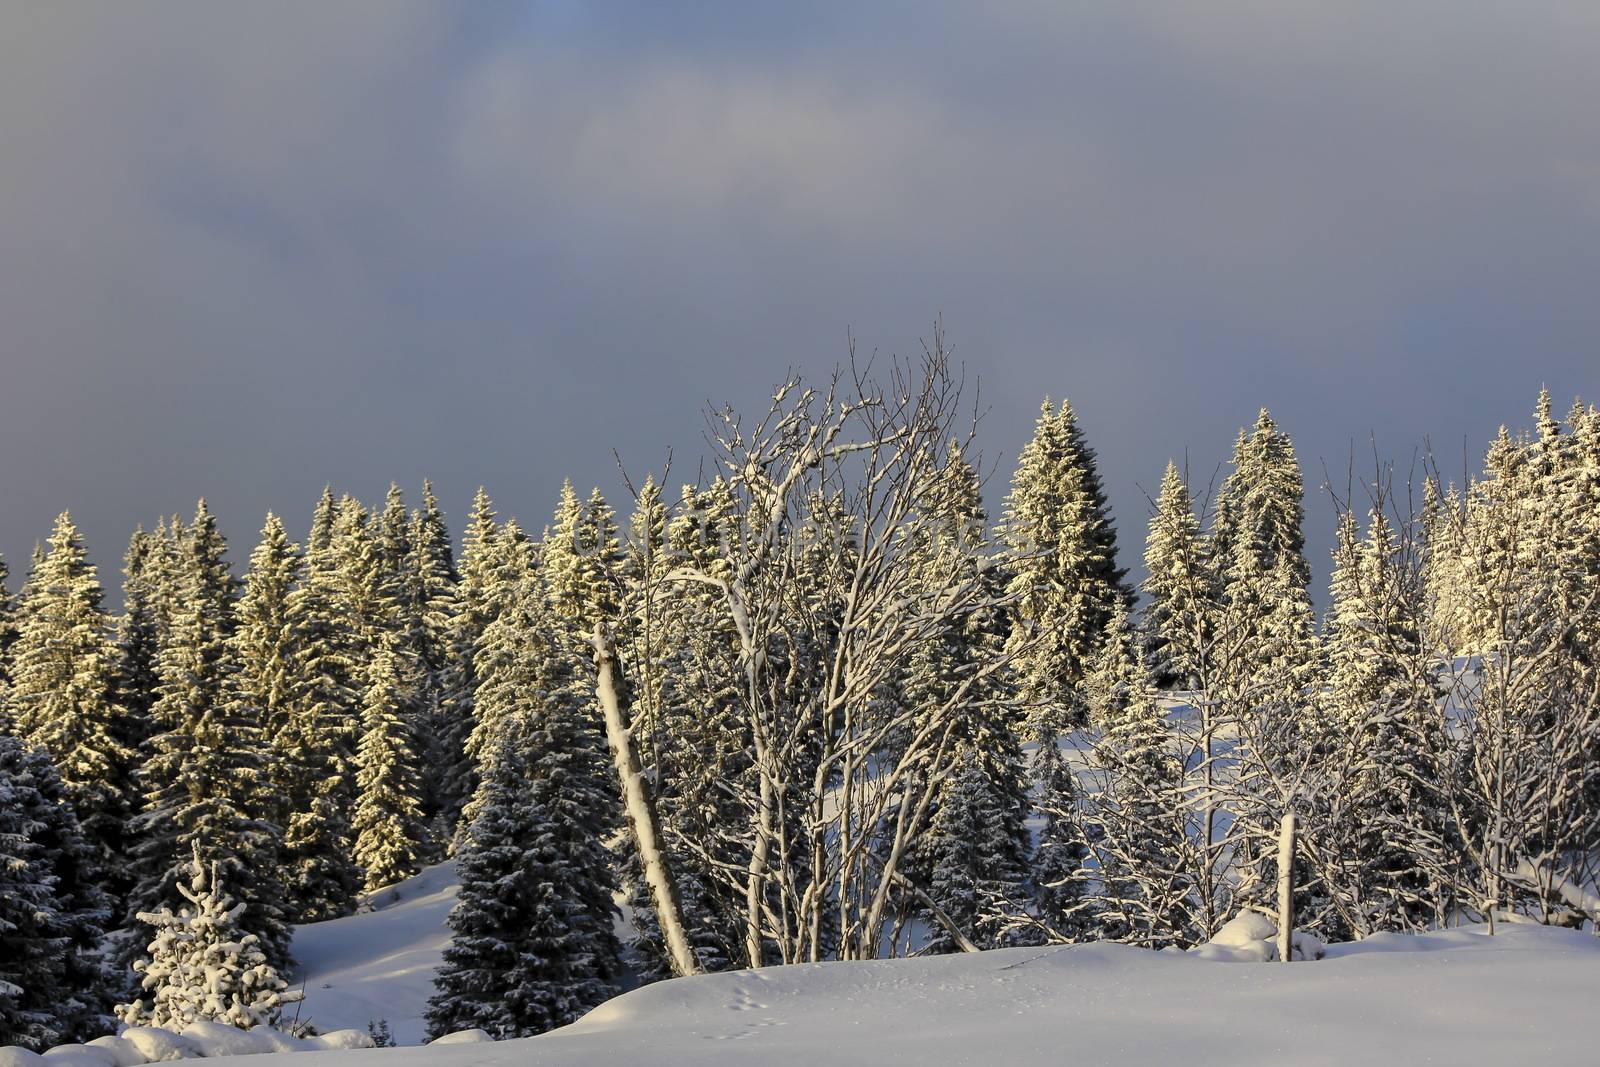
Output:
x=248 y=249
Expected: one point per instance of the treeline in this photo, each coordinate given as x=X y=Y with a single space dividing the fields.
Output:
x=806 y=710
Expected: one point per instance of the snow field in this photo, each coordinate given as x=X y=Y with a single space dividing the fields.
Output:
x=1524 y=995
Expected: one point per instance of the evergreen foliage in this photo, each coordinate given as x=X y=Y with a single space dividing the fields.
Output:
x=54 y=986
x=388 y=815
x=63 y=690
x=1062 y=553
x=533 y=946
x=317 y=747
x=205 y=785
x=201 y=965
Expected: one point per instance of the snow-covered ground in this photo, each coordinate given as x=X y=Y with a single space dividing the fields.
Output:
x=1525 y=995
x=378 y=964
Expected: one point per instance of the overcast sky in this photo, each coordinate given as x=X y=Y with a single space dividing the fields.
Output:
x=246 y=249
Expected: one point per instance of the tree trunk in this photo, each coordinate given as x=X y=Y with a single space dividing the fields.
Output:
x=1286 y=832
x=641 y=811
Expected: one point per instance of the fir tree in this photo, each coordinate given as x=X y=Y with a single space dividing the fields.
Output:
x=1263 y=523
x=205 y=784
x=978 y=878
x=690 y=737
x=54 y=986
x=1382 y=735
x=580 y=555
x=1180 y=587
x=388 y=814
x=201 y=965
x=317 y=748
x=1062 y=553
x=264 y=646
x=63 y=688
x=138 y=640
x=476 y=602
x=431 y=591
x=532 y=947
x=8 y=634
x=951 y=676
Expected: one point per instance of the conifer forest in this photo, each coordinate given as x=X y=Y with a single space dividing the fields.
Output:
x=820 y=702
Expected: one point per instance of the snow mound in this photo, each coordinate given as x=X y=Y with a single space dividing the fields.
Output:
x=463 y=1037
x=77 y=1056
x=220 y=1039
x=158 y=1046
x=1252 y=937
x=341 y=1039
x=1244 y=929
x=123 y=1052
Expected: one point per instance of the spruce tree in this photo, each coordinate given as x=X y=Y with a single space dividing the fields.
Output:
x=63 y=690
x=201 y=965
x=431 y=589
x=535 y=907
x=54 y=985
x=951 y=676
x=8 y=633
x=979 y=873
x=317 y=748
x=475 y=606
x=264 y=646
x=1062 y=553
x=523 y=956
x=388 y=816
x=1179 y=586
x=1382 y=735
x=138 y=639
x=690 y=737
x=205 y=783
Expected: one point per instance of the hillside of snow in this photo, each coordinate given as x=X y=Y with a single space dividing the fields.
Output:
x=1524 y=995
x=378 y=964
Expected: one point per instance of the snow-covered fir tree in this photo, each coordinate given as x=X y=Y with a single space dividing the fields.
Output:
x=205 y=784
x=978 y=873
x=682 y=648
x=8 y=631
x=1381 y=736
x=532 y=946
x=581 y=558
x=954 y=675
x=54 y=985
x=388 y=819
x=138 y=638
x=201 y=964
x=476 y=601
x=512 y=646
x=316 y=756
x=63 y=690
x=267 y=656
x=431 y=602
x=1062 y=554
x=1180 y=587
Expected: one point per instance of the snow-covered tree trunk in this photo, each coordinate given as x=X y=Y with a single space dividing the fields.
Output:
x=1286 y=838
x=641 y=813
